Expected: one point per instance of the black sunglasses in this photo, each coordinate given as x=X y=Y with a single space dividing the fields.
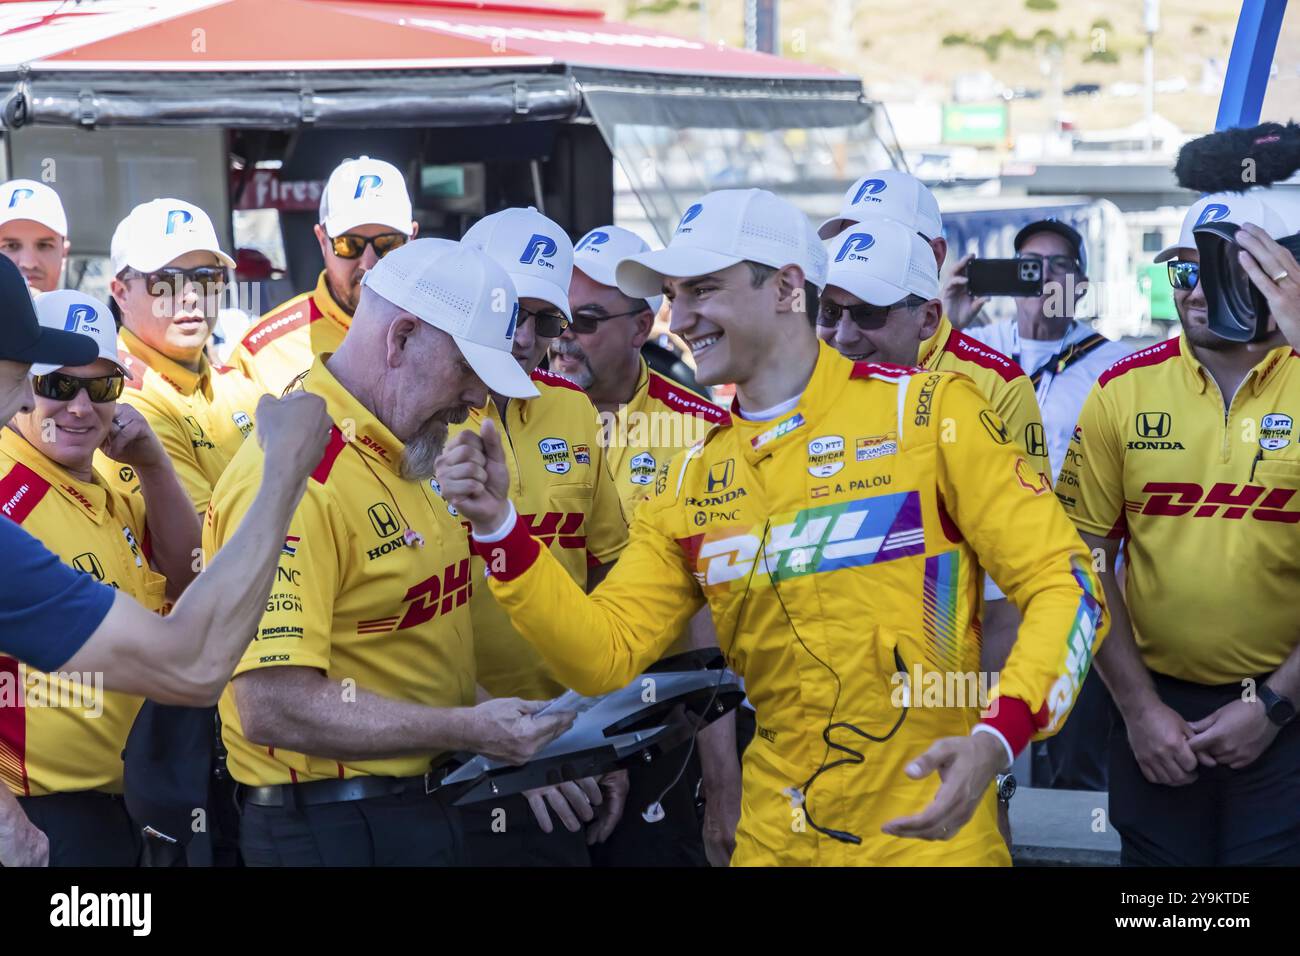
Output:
x=1184 y=275
x=549 y=324
x=348 y=246
x=586 y=321
x=170 y=279
x=868 y=318
x=64 y=388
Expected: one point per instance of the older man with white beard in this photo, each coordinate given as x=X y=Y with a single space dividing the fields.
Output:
x=361 y=678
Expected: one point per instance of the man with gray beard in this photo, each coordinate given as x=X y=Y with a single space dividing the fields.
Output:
x=360 y=680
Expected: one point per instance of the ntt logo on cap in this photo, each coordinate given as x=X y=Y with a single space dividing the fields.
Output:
x=857 y=243
x=365 y=184
x=592 y=239
x=18 y=196
x=178 y=217
x=1212 y=213
x=689 y=215
x=868 y=188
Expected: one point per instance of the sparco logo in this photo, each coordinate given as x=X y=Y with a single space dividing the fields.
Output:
x=925 y=400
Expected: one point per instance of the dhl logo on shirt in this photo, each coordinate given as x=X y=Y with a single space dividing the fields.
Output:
x=1223 y=500
x=824 y=538
x=555 y=527
x=436 y=594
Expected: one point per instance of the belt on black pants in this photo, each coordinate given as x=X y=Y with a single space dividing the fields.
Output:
x=316 y=792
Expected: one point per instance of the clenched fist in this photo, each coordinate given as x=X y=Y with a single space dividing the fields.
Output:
x=473 y=476
x=293 y=431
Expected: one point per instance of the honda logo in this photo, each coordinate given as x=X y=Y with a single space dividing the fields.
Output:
x=720 y=475
x=1154 y=424
x=382 y=520
x=89 y=564
x=1035 y=439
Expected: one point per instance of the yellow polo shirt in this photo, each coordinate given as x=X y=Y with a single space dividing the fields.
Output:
x=59 y=735
x=1206 y=502
x=560 y=482
x=201 y=417
x=282 y=345
x=355 y=595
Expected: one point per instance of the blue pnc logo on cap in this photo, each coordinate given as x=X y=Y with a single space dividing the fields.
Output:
x=367 y=183
x=178 y=217
x=694 y=210
x=592 y=239
x=1212 y=213
x=510 y=326
x=18 y=196
x=854 y=244
x=868 y=188
x=80 y=315
x=539 y=248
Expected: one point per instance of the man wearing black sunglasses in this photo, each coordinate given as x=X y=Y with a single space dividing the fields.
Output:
x=1187 y=452
x=561 y=478
x=365 y=213
x=169 y=275
x=59 y=619
x=67 y=770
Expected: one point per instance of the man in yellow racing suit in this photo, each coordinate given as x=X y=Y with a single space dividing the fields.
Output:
x=835 y=529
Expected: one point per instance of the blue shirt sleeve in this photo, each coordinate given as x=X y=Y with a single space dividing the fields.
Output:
x=47 y=610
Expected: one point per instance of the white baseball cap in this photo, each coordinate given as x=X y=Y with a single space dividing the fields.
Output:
x=464 y=292
x=890 y=194
x=598 y=254
x=28 y=199
x=721 y=229
x=156 y=232
x=71 y=311
x=365 y=191
x=1239 y=208
x=536 y=252
x=882 y=262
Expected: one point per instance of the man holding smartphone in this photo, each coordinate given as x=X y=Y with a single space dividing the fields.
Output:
x=1063 y=358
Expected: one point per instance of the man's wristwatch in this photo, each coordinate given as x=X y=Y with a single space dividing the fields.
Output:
x=1277 y=708
x=1006 y=786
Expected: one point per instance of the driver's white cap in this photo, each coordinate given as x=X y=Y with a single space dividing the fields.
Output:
x=37 y=202
x=721 y=229
x=890 y=194
x=156 y=232
x=364 y=192
x=1238 y=208
x=882 y=262
x=464 y=292
x=71 y=311
x=598 y=253
x=536 y=252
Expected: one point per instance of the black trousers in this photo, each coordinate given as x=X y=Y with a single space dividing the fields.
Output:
x=504 y=832
x=1075 y=758
x=1247 y=817
x=677 y=839
x=406 y=829
x=87 y=828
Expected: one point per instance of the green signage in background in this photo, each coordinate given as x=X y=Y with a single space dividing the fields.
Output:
x=982 y=125
x=1153 y=279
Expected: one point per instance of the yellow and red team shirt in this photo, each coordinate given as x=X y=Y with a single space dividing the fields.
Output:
x=282 y=345
x=662 y=419
x=59 y=735
x=560 y=483
x=1001 y=381
x=373 y=586
x=200 y=417
x=1206 y=504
